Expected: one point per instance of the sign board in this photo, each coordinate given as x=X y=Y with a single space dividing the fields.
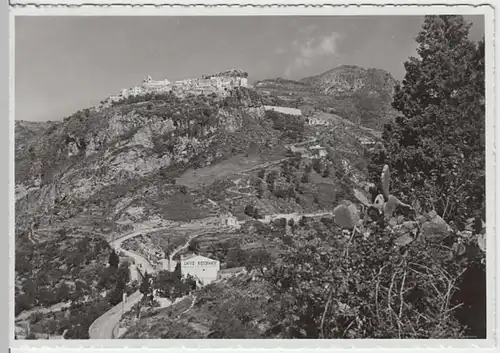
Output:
x=205 y=263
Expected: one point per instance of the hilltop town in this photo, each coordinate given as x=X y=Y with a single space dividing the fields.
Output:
x=219 y=83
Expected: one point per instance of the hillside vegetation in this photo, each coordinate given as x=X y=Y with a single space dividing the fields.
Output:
x=339 y=238
x=363 y=96
x=404 y=260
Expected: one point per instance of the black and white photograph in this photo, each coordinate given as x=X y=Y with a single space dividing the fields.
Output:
x=251 y=177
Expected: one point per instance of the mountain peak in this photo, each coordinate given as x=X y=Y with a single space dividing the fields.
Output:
x=352 y=78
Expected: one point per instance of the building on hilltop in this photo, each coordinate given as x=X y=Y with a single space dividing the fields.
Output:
x=149 y=82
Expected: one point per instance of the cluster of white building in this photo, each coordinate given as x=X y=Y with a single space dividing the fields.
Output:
x=218 y=84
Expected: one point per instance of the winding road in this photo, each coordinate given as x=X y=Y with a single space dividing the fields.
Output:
x=104 y=327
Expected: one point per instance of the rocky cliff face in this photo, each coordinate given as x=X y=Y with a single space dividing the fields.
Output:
x=70 y=165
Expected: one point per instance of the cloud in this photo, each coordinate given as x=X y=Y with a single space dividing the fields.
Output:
x=279 y=51
x=311 y=50
x=308 y=29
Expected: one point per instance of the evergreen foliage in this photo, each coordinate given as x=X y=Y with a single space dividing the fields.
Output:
x=114 y=260
x=436 y=148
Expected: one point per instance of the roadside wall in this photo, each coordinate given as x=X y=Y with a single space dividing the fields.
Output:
x=284 y=110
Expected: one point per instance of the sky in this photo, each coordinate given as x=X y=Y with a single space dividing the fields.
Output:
x=64 y=64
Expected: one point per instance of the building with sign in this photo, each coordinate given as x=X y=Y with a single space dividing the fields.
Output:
x=203 y=269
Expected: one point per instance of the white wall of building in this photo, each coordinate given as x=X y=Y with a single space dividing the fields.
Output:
x=168 y=264
x=200 y=267
x=284 y=110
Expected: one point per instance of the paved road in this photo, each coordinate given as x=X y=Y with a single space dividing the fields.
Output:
x=105 y=326
x=141 y=262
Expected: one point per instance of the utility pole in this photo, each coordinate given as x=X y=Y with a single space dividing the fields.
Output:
x=124 y=299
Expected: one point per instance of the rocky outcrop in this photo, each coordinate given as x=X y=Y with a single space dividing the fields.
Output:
x=349 y=79
x=97 y=152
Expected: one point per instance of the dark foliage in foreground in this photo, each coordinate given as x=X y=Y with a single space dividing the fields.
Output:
x=367 y=288
x=436 y=149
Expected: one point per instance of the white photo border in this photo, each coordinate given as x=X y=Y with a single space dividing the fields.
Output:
x=274 y=8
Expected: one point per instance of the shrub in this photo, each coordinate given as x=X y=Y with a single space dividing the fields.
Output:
x=279 y=223
x=252 y=211
x=366 y=288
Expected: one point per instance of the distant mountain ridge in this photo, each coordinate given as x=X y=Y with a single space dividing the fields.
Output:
x=351 y=78
x=361 y=95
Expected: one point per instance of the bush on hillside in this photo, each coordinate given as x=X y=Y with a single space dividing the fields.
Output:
x=253 y=212
x=365 y=288
x=292 y=127
x=44 y=285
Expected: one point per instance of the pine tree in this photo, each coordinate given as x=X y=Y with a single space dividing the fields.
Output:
x=145 y=287
x=436 y=148
x=114 y=260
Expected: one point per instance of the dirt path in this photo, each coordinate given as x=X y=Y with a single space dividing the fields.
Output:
x=52 y=309
x=104 y=326
x=232 y=166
